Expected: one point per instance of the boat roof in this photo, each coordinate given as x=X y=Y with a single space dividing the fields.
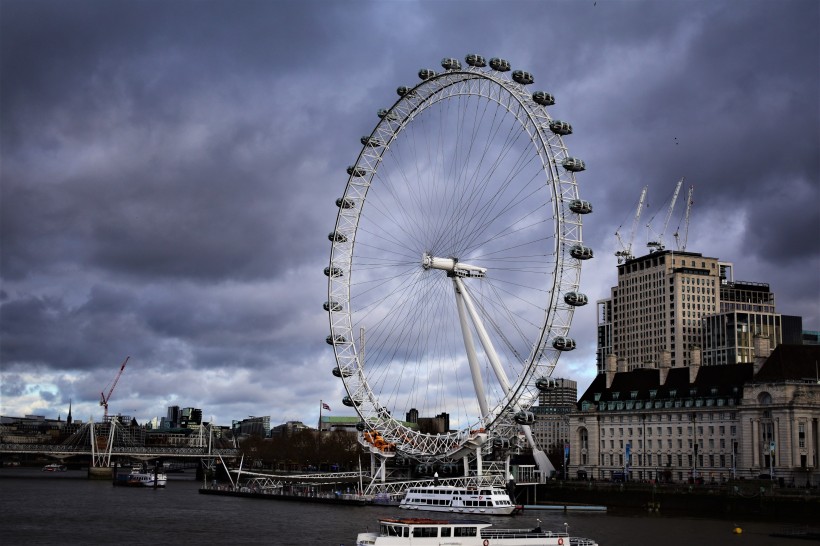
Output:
x=427 y=521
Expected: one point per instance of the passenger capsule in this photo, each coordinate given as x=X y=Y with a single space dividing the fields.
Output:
x=580 y=252
x=525 y=417
x=345 y=203
x=349 y=402
x=450 y=64
x=523 y=77
x=576 y=299
x=475 y=60
x=545 y=384
x=563 y=343
x=403 y=90
x=333 y=272
x=360 y=426
x=356 y=171
x=501 y=443
x=543 y=98
x=426 y=73
x=501 y=65
x=334 y=340
x=580 y=206
x=337 y=237
x=371 y=142
x=573 y=164
x=338 y=372
x=331 y=305
x=560 y=127
x=386 y=114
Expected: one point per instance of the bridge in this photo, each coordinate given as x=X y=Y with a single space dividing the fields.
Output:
x=103 y=442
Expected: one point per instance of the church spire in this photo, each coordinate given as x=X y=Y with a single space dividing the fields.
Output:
x=68 y=418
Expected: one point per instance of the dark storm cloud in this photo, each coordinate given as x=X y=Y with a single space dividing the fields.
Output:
x=169 y=170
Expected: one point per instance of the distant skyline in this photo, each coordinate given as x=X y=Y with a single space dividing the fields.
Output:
x=168 y=172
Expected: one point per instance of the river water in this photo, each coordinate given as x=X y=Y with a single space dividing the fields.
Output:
x=68 y=509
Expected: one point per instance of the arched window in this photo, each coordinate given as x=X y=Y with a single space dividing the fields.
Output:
x=764 y=399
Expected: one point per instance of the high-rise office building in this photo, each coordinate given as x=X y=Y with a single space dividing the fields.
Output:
x=655 y=310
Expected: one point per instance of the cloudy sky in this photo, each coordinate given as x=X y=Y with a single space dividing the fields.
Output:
x=169 y=172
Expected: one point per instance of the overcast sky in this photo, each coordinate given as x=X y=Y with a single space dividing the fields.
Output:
x=169 y=172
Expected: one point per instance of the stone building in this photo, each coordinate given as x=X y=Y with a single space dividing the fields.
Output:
x=698 y=422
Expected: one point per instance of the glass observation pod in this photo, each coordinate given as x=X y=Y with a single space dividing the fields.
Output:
x=371 y=142
x=560 y=127
x=475 y=60
x=402 y=90
x=349 y=402
x=337 y=237
x=356 y=171
x=576 y=299
x=345 y=203
x=545 y=384
x=426 y=73
x=523 y=77
x=386 y=114
x=500 y=65
x=333 y=340
x=450 y=64
x=543 y=98
x=501 y=443
x=333 y=272
x=580 y=206
x=339 y=373
x=563 y=343
x=580 y=252
x=573 y=164
x=331 y=305
x=360 y=426
x=525 y=417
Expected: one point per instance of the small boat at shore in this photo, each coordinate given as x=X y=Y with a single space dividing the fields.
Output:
x=406 y=531
x=55 y=467
x=487 y=500
x=142 y=478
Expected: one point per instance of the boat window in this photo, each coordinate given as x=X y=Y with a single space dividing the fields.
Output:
x=446 y=531
x=464 y=532
x=425 y=531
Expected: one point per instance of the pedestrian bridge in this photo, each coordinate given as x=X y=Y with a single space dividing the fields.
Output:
x=104 y=441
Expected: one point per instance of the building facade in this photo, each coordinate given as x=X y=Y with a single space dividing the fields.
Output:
x=657 y=306
x=710 y=423
x=551 y=426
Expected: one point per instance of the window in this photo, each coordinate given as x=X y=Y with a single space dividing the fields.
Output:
x=801 y=435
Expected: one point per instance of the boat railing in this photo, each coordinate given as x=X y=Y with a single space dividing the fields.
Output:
x=519 y=533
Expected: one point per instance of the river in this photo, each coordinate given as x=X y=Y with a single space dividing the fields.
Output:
x=68 y=509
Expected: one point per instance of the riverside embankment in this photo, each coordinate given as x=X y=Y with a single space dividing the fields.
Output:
x=749 y=498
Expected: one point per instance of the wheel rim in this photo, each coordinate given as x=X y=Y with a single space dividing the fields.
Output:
x=463 y=167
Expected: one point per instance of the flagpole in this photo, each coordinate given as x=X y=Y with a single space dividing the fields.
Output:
x=320 y=416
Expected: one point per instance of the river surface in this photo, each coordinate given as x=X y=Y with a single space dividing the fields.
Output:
x=68 y=509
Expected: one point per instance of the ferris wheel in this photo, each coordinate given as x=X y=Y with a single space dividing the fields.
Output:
x=455 y=261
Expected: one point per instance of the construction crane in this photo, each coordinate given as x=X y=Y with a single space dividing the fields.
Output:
x=681 y=245
x=656 y=244
x=103 y=398
x=625 y=253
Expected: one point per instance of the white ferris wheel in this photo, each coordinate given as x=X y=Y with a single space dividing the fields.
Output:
x=455 y=261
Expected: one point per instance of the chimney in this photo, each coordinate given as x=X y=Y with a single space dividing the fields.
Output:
x=763 y=349
x=694 y=363
x=664 y=365
x=610 y=365
x=622 y=365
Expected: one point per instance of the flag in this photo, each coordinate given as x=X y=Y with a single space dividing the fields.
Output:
x=325 y=406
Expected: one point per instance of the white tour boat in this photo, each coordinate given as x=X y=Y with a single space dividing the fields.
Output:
x=485 y=500
x=421 y=532
x=138 y=477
